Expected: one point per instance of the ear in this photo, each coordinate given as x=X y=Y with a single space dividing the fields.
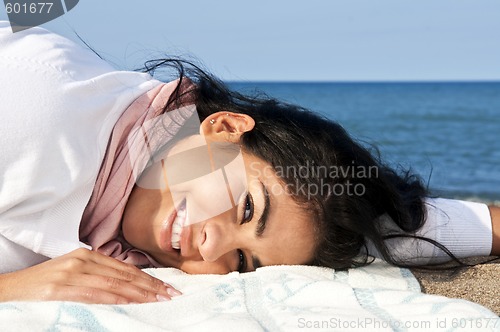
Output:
x=226 y=126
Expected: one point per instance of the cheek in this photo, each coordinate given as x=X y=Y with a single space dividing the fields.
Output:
x=237 y=178
x=134 y=208
x=144 y=207
x=146 y=202
x=206 y=197
x=152 y=178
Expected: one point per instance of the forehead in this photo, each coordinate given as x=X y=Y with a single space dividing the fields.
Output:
x=290 y=236
x=290 y=233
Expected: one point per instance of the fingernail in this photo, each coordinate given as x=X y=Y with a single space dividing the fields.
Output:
x=173 y=292
x=162 y=298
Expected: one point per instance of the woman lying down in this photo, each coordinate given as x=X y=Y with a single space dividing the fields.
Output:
x=105 y=171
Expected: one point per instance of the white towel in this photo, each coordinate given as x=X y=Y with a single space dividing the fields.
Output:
x=378 y=297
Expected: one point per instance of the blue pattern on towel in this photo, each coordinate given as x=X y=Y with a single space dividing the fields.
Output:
x=279 y=298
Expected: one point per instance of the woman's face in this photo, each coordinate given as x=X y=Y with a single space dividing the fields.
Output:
x=236 y=216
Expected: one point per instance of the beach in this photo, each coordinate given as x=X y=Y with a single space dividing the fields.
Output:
x=479 y=284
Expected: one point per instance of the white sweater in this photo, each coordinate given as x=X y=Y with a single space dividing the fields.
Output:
x=58 y=103
x=462 y=227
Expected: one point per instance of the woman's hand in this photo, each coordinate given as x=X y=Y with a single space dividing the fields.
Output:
x=84 y=276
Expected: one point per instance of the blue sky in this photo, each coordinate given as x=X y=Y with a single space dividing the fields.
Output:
x=325 y=40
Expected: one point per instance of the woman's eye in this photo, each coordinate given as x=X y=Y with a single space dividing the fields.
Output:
x=242 y=265
x=248 y=209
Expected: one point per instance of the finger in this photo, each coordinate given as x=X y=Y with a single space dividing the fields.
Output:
x=89 y=295
x=127 y=272
x=149 y=284
x=127 y=269
x=111 y=285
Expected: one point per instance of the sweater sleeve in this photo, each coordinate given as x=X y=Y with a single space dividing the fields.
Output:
x=463 y=227
x=59 y=103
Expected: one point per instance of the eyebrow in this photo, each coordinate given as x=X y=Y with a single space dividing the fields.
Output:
x=261 y=224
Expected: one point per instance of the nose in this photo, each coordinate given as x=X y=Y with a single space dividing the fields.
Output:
x=219 y=236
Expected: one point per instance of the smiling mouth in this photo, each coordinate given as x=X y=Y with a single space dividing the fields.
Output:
x=177 y=225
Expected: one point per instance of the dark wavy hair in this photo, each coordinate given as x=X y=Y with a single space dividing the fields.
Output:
x=289 y=137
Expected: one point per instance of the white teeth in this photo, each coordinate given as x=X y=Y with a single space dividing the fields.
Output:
x=176 y=237
x=177 y=226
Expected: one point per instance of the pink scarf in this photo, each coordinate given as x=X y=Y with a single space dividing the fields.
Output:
x=101 y=221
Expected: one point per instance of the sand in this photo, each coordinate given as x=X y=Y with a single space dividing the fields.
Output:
x=480 y=284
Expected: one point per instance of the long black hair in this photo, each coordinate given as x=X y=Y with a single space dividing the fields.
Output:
x=345 y=185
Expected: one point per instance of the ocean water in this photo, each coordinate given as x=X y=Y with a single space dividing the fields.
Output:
x=448 y=133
